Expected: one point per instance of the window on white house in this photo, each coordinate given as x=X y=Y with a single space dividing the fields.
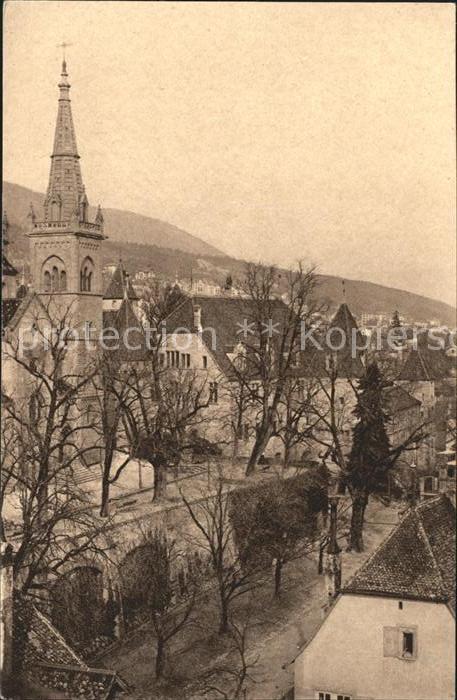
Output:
x=205 y=362
x=324 y=695
x=400 y=642
x=408 y=644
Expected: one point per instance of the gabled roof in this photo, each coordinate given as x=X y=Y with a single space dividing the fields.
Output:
x=223 y=320
x=14 y=309
x=117 y=286
x=417 y=560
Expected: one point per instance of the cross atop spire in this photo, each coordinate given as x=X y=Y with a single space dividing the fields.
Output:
x=343 y=283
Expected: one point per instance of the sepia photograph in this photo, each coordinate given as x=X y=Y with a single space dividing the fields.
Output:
x=229 y=351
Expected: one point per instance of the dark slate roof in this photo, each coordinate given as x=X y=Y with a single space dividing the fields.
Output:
x=417 y=560
x=397 y=399
x=122 y=320
x=7 y=268
x=9 y=308
x=425 y=365
x=225 y=316
x=341 y=339
x=116 y=287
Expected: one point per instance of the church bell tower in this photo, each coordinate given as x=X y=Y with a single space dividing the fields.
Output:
x=65 y=245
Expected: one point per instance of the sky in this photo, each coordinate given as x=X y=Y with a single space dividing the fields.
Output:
x=274 y=131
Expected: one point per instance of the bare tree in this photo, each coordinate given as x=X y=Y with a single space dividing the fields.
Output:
x=49 y=436
x=272 y=341
x=118 y=389
x=296 y=420
x=211 y=516
x=148 y=575
x=229 y=680
x=160 y=430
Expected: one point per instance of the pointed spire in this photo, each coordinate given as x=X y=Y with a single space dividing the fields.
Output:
x=99 y=216
x=31 y=215
x=343 y=283
x=65 y=186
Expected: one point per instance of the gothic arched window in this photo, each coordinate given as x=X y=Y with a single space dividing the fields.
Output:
x=86 y=275
x=55 y=279
x=47 y=281
x=54 y=275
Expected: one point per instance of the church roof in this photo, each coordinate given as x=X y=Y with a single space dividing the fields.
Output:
x=417 y=560
x=7 y=268
x=14 y=309
x=117 y=285
x=9 y=308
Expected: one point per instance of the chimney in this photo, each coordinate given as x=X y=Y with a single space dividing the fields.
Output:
x=332 y=565
x=198 y=319
x=6 y=617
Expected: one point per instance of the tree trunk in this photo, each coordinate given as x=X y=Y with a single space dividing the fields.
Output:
x=160 y=482
x=359 y=504
x=160 y=657
x=223 y=622
x=278 y=571
x=287 y=451
x=104 y=505
x=320 y=566
x=261 y=441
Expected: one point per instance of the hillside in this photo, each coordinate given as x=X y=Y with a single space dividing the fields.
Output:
x=172 y=257
x=124 y=226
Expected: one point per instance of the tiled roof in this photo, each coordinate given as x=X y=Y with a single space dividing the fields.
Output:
x=116 y=287
x=397 y=399
x=342 y=340
x=425 y=365
x=132 y=347
x=50 y=660
x=7 y=268
x=224 y=316
x=9 y=308
x=417 y=560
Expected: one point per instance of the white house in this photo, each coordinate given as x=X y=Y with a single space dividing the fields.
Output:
x=390 y=634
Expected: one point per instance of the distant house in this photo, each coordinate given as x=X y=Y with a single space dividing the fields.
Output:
x=390 y=634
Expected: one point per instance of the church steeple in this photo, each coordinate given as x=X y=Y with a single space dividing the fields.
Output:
x=66 y=255
x=65 y=189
